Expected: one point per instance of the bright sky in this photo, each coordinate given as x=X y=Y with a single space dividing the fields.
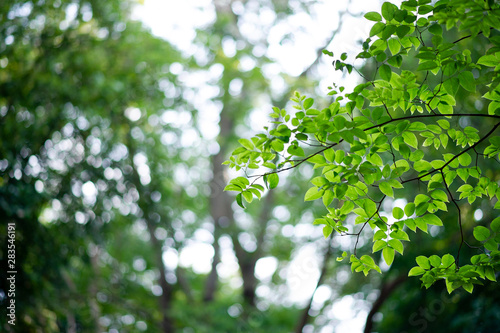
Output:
x=175 y=21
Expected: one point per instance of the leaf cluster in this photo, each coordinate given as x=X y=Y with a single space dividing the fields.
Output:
x=382 y=138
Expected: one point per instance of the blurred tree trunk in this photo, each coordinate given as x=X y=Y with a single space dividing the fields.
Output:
x=93 y=288
x=305 y=317
x=385 y=292
x=220 y=206
x=157 y=245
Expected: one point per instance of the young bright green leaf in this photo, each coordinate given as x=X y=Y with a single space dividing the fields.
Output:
x=296 y=151
x=397 y=245
x=386 y=189
x=379 y=245
x=421 y=224
x=328 y=197
x=232 y=187
x=465 y=159
x=416 y=271
x=246 y=143
x=329 y=155
x=373 y=16
x=327 y=230
x=277 y=145
x=308 y=103
x=273 y=180
x=388 y=254
x=432 y=219
x=435 y=261
x=495 y=225
x=481 y=233
x=423 y=262
x=385 y=72
x=397 y=213
x=400 y=235
x=377 y=28
x=248 y=196
x=394 y=45
x=409 y=209
x=447 y=260
x=368 y=261
x=410 y=139
x=313 y=193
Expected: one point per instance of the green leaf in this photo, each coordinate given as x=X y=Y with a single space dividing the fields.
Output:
x=385 y=72
x=313 y=193
x=370 y=207
x=402 y=30
x=379 y=245
x=425 y=9
x=432 y=219
x=467 y=81
x=394 y=45
x=489 y=272
x=368 y=261
x=246 y=143
x=388 y=254
x=327 y=230
x=495 y=225
x=409 y=209
x=386 y=189
x=397 y=213
x=423 y=262
x=489 y=60
x=339 y=156
x=481 y=233
x=464 y=159
x=248 y=196
x=328 y=197
x=435 y=261
x=308 y=103
x=239 y=201
x=273 y=180
x=240 y=181
x=410 y=223
x=339 y=122
x=397 y=245
x=427 y=65
x=277 y=145
x=448 y=260
x=329 y=154
x=232 y=187
x=373 y=16
x=395 y=61
x=400 y=234
x=296 y=151
x=436 y=29
x=410 y=139
x=416 y=271
x=420 y=223
x=388 y=10
x=439 y=195
x=377 y=28
x=347 y=207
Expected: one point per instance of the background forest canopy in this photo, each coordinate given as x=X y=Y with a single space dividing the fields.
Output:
x=114 y=145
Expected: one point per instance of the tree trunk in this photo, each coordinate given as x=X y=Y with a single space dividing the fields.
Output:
x=385 y=292
x=304 y=318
